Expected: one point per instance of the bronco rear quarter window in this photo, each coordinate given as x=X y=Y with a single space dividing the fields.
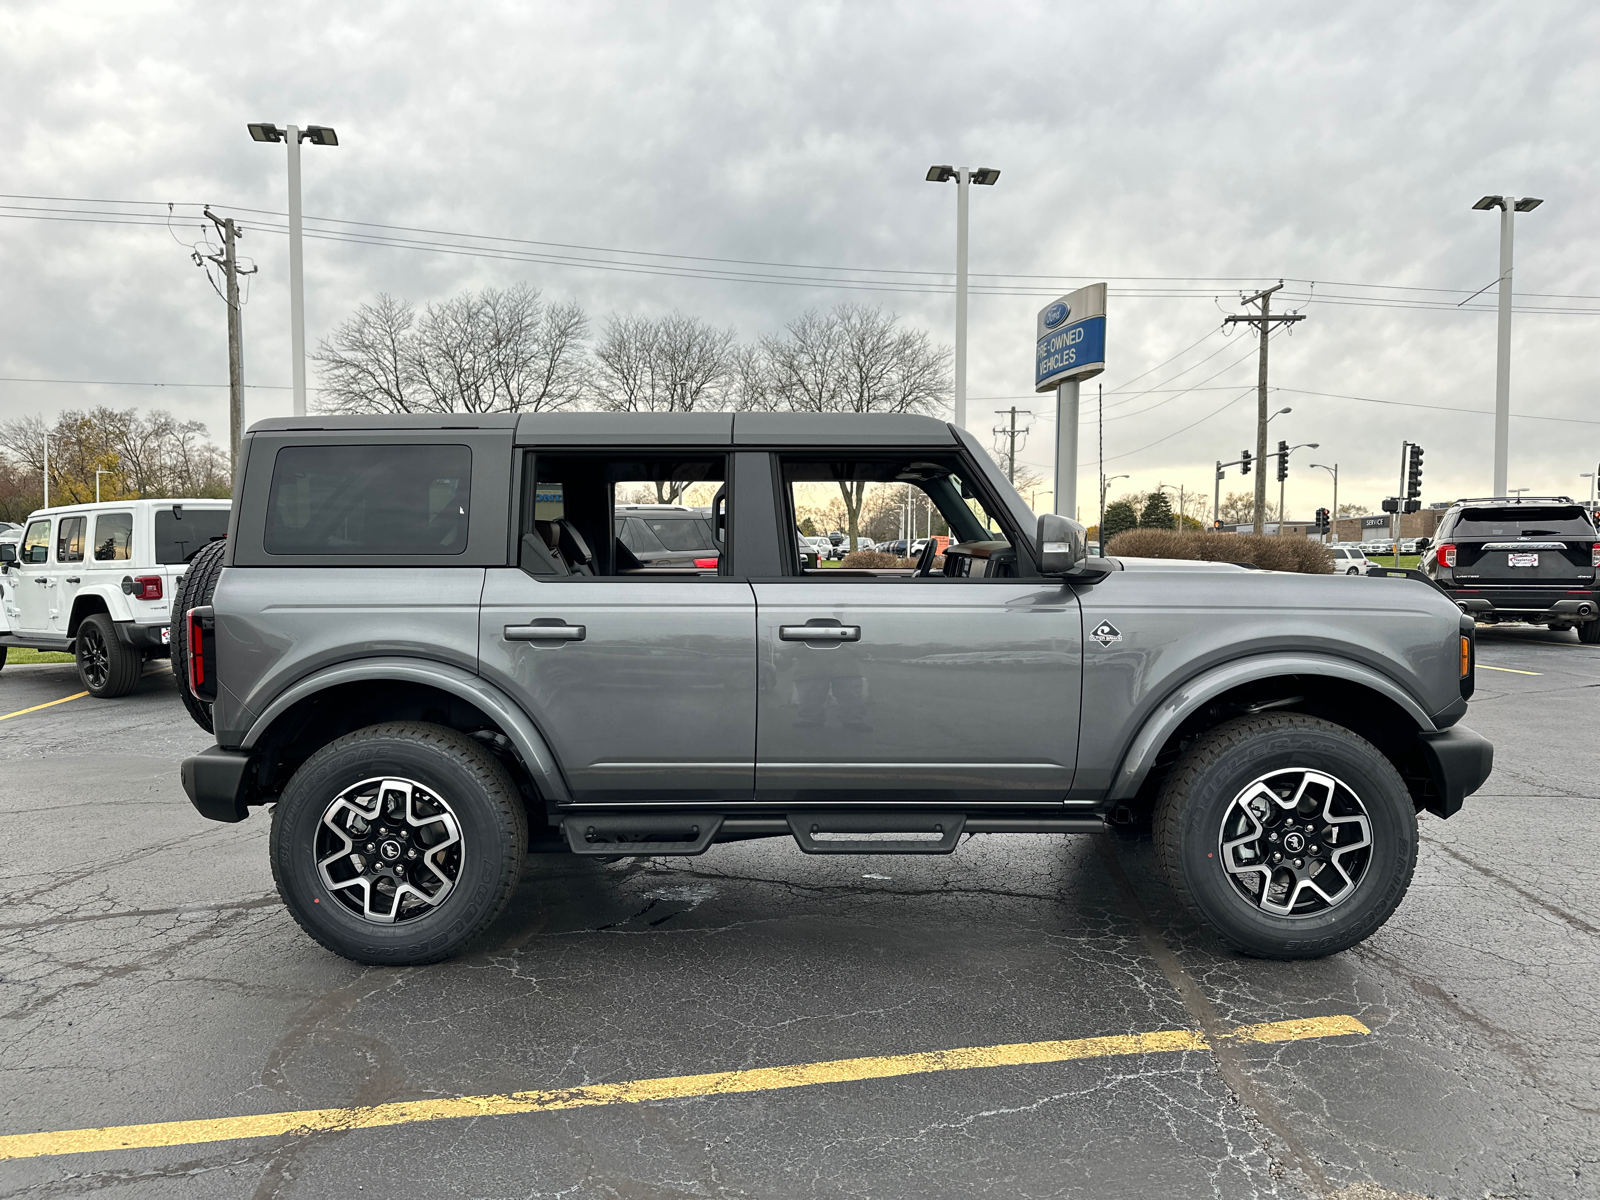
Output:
x=382 y=499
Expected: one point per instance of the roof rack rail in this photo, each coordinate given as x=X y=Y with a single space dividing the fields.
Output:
x=1516 y=500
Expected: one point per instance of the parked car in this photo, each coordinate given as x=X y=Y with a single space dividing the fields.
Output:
x=1348 y=560
x=427 y=692
x=667 y=535
x=1532 y=559
x=97 y=581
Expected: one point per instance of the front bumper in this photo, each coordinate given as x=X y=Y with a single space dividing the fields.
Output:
x=1459 y=761
x=217 y=783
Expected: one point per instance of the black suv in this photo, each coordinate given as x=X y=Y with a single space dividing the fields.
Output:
x=1531 y=559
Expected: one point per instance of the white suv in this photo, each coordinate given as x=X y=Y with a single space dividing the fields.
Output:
x=97 y=580
x=1349 y=560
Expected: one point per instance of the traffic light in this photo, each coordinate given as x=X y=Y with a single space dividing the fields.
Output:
x=1414 y=479
x=1322 y=520
x=1244 y=462
x=1283 y=461
x=1391 y=504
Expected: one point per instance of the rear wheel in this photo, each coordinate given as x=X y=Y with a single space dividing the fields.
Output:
x=1290 y=836
x=199 y=582
x=107 y=667
x=398 y=843
x=1589 y=633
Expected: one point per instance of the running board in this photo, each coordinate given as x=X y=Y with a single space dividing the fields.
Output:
x=877 y=832
x=641 y=834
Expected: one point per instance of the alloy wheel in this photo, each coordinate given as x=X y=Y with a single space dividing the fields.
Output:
x=389 y=850
x=94 y=659
x=1295 y=842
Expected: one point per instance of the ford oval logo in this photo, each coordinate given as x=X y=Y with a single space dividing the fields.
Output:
x=1055 y=314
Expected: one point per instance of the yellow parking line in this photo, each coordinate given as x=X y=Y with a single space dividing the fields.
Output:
x=720 y=1083
x=37 y=707
x=1508 y=670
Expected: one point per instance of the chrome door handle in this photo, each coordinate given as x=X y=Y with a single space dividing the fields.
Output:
x=819 y=633
x=545 y=633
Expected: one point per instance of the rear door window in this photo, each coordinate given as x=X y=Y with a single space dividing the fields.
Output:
x=681 y=533
x=384 y=499
x=182 y=532
x=69 y=539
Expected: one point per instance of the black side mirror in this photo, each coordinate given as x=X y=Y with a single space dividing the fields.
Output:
x=8 y=553
x=1062 y=544
x=1423 y=544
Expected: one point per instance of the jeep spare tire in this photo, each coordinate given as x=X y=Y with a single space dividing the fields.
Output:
x=199 y=582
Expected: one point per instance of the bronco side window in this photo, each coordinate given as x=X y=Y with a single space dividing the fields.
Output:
x=923 y=518
x=643 y=515
x=381 y=499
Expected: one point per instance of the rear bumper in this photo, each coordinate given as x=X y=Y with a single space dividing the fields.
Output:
x=1459 y=761
x=216 y=784
x=1525 y=603
x=141 y=637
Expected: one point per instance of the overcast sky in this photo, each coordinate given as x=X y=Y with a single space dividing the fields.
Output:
x=1218 y=147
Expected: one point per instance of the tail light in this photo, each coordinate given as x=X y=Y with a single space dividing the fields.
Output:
x=1594 y=555
x=202 y=653
x=147 y=587
x=1446 y=555
x=1469 y=657
x=709 y=563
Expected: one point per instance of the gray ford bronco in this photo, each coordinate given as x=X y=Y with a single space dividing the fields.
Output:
x=425 y=647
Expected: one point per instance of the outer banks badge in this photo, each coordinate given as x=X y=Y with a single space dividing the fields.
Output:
x=1105 y=633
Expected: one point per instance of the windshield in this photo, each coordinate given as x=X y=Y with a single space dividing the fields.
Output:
x=1550 y=520
x=180 y=537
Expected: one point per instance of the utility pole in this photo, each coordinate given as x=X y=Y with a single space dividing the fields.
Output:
x=1011 y=433
x=1263 y=321
x=228 y=260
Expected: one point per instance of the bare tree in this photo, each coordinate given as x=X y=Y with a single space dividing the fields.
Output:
x=365 y=365
x=849 y=359
x=131 y=454
x=498 y=350
x=672 y=364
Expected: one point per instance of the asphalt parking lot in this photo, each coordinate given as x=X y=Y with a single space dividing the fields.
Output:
x=149 y=976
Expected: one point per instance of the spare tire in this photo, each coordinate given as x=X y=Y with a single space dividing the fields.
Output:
x=198 y=583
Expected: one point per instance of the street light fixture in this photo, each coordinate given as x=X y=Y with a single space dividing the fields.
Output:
x=1591 y=477
x=986 y=177
x=1105 y=485
x=293 y=135
x=1279 y=413
x=1333 y=518
x=1508 y=206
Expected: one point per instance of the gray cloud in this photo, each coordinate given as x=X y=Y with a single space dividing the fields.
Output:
x=1337 y=144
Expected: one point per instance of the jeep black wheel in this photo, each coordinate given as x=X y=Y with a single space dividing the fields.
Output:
x=199 y=582
x=107 y=667
x=398 y=843
x=1290 y=836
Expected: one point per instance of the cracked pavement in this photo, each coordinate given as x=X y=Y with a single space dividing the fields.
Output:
x=148 y=973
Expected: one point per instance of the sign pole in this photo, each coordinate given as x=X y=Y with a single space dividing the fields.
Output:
x=1067 y=448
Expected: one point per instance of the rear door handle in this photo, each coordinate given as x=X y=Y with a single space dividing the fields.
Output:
x=545 y=633
x=819 y=633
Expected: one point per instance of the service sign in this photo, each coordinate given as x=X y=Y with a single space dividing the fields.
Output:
x=1070 y=341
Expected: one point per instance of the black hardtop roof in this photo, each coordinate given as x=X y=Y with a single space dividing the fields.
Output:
x=651 y=429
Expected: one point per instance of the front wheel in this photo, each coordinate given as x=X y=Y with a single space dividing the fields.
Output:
x=1290 y=836
x=398 y=843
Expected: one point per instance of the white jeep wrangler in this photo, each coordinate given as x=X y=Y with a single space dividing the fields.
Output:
x=97 y=580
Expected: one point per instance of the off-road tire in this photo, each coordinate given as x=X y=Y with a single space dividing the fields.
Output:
x=199 y=582
x=1589 y=633
x=1212 y=772
x=4 y=650
x=494 y=829
x=119 y=673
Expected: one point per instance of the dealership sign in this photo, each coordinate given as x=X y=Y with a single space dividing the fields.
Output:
x=1070 y=338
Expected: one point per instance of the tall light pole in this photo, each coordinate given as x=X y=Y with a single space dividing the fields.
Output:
x=1333 y=523
x=1509 y=206
x=317 y=135
x=985 y=176
x=1591 y=476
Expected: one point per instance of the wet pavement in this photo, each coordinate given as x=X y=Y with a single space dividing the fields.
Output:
x=149 y=974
